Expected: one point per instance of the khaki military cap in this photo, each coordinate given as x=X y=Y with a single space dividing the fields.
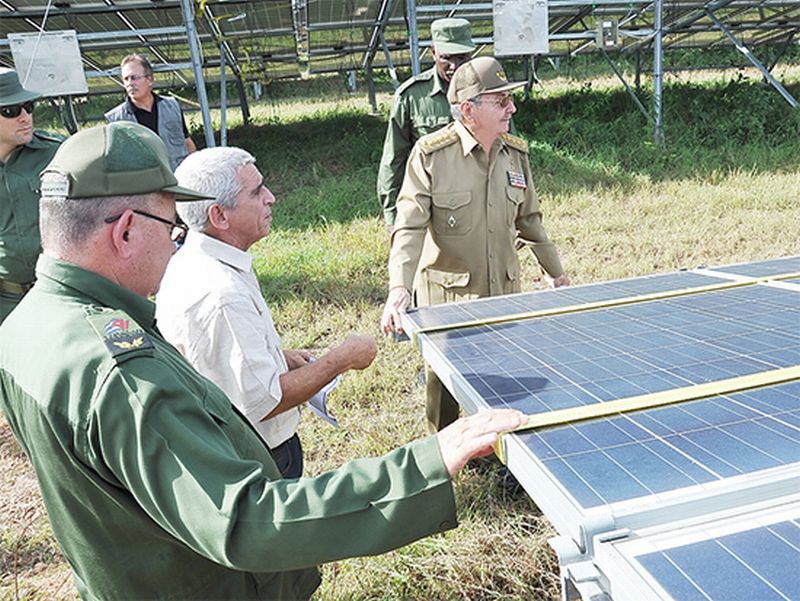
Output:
x=482 y=75
x=451 y=36
x=11 y=90
x=116 y=159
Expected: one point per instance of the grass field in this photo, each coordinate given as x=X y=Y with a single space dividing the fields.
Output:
x=724 y=189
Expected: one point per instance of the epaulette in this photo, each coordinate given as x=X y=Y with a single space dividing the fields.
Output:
x=424 y=76
x=437 y=140
x=48 y=136
x=123 y=337
x=515 y=142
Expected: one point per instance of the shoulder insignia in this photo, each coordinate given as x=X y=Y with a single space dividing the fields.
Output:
x=437 y=140
x=119 y=332
x=424 y=76
x=515 y=142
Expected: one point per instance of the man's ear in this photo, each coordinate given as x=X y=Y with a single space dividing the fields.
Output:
x=217 y=217
x=122 y=233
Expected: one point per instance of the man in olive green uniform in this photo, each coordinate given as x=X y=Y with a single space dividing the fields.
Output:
x=468 y=195
x=156 y=486
x=23 y=154
x=420 y=107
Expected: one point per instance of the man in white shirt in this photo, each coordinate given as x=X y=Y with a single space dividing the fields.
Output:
x=210 y=305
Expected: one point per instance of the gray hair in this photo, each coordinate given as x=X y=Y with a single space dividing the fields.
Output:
x=211 y=171
x=455 y=109
x=67 y=223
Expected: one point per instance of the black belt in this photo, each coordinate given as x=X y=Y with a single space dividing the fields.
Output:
x=15 y=287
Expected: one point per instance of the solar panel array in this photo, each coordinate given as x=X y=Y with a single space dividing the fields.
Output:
x=589 y=345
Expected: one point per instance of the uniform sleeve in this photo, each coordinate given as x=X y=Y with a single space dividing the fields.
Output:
x=413 y=218
x=188 y=460
x=396 y=148
x=531 y=230
x=230 y=349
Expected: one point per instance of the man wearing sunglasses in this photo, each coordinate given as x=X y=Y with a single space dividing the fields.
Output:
x=155 y=485
x=467 y=199
x=420 y=107
x=23 y=154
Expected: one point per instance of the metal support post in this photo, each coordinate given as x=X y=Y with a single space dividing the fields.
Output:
x=630 y=91
x=223 y=97
x=197 y=67
x=373 y=102
x=413 y=37
x=746 y=51
x=658 y=74
x=389 y=64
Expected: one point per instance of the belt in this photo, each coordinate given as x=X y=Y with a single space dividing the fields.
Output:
x=15 y=287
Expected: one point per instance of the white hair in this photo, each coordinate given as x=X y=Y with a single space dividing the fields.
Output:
x=211 y=171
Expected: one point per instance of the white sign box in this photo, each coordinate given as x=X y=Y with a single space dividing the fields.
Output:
x=520 y=27
x=57 y=69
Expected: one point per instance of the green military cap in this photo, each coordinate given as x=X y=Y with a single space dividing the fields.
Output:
x=482 y=75
x=117 y=159
x=451 y=36
x=11 y=90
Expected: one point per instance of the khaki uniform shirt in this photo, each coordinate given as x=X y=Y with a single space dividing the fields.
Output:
x=469 y=209
x=156 y=487
x=19 y=212
x=419 y=107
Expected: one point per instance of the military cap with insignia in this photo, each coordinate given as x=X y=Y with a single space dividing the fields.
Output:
x=115 y=159
x=482 y=75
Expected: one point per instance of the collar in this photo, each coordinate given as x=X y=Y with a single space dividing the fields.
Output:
x=222 y=251
x=468 y=142
x=56 y=275
x=133 y=107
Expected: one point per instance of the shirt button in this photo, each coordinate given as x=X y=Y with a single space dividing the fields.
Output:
x=491 y=204
x=491 y=230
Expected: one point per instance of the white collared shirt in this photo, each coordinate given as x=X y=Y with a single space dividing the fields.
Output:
x=211 y=309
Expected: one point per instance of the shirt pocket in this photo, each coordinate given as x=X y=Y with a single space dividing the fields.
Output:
x=514 y=198
x=447 y=286
x=427 y=124
x=451 y=214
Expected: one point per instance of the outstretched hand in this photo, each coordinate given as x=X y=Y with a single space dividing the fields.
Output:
x=474 y=436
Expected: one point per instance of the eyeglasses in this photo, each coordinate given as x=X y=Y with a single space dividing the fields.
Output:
x=501 y=102
x=134 y=78
x=177 y=231
x=12 y=111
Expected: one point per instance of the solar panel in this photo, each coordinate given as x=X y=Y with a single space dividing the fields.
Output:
x=587 y=346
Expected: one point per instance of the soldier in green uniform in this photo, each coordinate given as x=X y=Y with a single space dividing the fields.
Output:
x=466 y=200
x=23 y=154
x=420 y=107
x=155 y=485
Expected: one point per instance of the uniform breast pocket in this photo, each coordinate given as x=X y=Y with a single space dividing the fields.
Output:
x=451 y=213
x=426 y=124
x=514 y=198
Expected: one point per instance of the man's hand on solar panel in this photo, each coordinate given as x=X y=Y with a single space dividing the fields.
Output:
x=562 y=280
x=474 y=436
x=398 y=301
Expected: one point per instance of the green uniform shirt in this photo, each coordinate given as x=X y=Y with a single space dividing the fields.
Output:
x=19 y=212
x=468 y=209
x=419 y=107
x=156 y=487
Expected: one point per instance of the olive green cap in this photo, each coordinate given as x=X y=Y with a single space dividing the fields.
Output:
x=482 y=75
x=117 y=159
x=11 y=90
x=451 y=36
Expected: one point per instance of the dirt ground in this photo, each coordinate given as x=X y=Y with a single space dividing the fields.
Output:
x=31 y=565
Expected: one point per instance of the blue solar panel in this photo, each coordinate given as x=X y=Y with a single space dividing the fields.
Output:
x=438 y=315
x=758 y=564
x=759 y=269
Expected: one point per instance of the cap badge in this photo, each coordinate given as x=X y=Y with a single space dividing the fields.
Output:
x=502 y=75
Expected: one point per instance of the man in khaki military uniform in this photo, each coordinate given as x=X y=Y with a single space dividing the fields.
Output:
x=468 y=195
x=23 y=154
x=420 y=107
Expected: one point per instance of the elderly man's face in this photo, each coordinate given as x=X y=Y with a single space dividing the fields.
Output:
x=138 y=84
x=446 y=64
x=251 y=218
x=493 y=112
x=16 y=131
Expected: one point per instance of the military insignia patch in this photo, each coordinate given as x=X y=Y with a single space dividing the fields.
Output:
x=516 y=179
x=120 y=334
x=501 y=75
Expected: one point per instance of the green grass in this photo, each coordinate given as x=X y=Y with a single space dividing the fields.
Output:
x=724 y=189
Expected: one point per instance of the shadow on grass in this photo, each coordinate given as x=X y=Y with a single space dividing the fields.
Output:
x=323 y=168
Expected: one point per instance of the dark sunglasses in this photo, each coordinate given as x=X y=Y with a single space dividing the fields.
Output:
x=177 y=231
x=12 y=111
